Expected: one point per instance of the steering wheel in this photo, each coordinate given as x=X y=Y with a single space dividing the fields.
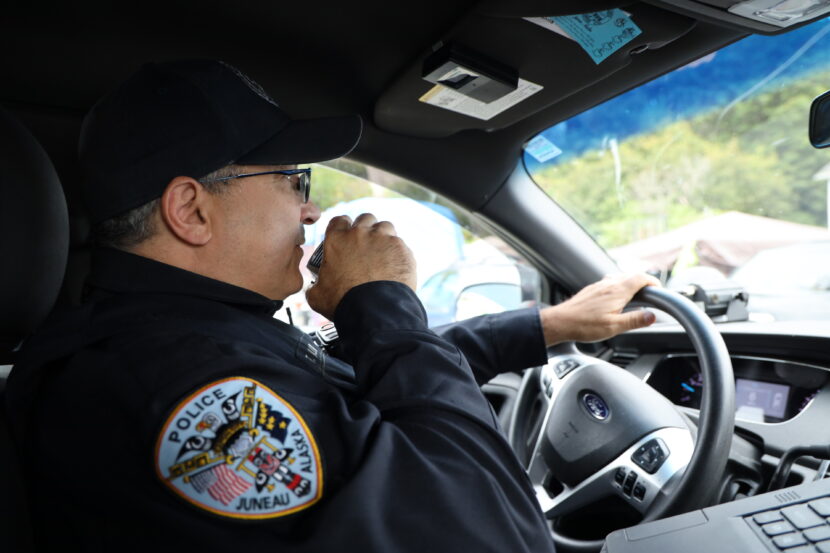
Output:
x=605 y=432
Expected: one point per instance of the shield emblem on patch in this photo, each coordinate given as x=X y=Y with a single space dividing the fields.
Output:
x=237 y=449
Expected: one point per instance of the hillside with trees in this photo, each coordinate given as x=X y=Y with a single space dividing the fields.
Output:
x=752 y=157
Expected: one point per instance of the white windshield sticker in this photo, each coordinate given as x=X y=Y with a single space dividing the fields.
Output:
x=542 y=149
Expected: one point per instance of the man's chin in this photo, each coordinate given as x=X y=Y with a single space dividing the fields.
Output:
x=297 y=287
x=287 y=286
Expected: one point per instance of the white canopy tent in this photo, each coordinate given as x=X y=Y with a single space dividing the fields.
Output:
x=723 y=241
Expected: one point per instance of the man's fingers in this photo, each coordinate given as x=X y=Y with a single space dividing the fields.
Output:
x=368 y=220
x=650 y=280
x=633 y=283
x=341 y=222
x=365 y=220
x=359 y=252
x=385 y=227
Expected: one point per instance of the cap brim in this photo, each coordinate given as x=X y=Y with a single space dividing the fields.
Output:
x=308 y=141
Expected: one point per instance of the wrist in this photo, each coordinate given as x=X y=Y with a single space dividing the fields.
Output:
x=552 y=328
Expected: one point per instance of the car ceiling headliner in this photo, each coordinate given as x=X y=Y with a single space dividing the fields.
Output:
x=323 y=58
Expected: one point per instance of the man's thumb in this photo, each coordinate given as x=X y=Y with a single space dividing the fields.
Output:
x=638 y=319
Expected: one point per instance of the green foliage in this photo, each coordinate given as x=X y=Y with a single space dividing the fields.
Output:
x=332 y=186
x=753 y=157
x=343 y=180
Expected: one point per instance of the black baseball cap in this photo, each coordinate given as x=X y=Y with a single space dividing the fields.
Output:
x=191 y=118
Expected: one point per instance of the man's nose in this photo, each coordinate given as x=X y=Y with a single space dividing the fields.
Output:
x=310 y=213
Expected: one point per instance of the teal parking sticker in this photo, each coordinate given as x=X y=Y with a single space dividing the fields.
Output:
x=542 y=149
x=599 y=33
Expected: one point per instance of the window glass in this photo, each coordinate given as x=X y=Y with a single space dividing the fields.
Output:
x=453 y=254
x=692 y=175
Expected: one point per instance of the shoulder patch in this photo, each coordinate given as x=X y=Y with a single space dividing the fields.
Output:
x=237 y=449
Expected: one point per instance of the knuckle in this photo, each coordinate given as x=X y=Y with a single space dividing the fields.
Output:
x=365 y=219
x=338 y=222
x=384 y=225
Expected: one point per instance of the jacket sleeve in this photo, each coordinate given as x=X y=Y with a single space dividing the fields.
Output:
x=398 y=360
x=494 y=344
x=439 y=473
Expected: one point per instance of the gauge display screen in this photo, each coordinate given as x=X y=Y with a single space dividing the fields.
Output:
x=755 y=399
x=762 y=390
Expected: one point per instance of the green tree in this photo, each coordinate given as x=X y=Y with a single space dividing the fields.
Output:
x=331 y=186
x=753 y=157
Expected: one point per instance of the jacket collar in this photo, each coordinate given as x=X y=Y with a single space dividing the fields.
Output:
x=119 y=272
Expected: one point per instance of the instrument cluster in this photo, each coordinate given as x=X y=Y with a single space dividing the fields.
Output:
x=766 y=390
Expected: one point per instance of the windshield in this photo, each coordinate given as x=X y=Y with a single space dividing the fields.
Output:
x=693 y=175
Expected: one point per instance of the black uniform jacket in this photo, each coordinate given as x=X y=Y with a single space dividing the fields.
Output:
x=172 y=412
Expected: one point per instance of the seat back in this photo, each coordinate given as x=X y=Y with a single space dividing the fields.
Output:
x=34 y=242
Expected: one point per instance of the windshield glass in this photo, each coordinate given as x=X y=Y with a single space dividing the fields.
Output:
x=693 y=175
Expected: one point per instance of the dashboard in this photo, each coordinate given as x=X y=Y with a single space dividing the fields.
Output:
x=782 y=375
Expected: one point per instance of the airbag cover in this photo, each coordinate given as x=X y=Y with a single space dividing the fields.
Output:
x=600 y=411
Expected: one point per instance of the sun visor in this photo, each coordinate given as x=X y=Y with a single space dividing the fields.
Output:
x=554 y=58
x=765 y=17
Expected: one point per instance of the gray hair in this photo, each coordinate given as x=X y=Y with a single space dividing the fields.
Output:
x=130 y=229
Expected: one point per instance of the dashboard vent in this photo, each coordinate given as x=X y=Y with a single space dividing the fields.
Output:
x=623 y=357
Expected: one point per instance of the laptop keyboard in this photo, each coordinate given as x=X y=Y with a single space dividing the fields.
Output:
x=798 y=528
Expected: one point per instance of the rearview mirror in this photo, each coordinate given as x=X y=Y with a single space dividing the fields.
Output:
x=820 y=121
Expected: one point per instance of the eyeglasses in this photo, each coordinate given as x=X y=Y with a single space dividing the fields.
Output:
x=302 y=182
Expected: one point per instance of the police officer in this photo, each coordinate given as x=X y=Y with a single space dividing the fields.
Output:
x=172 y=412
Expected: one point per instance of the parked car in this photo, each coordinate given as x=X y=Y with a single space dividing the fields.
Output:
x=471 y=288
x=789 y=283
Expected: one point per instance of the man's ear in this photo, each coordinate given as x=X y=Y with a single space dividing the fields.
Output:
x=186 y=210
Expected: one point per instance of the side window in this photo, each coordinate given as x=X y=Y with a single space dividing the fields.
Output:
x=463 y=271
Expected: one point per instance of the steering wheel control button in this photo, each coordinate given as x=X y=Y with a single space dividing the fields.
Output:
x=629 y=482
x=596 y=406
x=650 y=455
x=639 y=492
x=547 y=384
x=802 y=516
x=565 y=366
x=619 y=476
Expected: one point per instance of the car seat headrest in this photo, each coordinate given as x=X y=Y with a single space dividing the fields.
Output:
x=34 y=234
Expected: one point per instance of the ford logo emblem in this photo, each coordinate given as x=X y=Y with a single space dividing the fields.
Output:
x=596 y=406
